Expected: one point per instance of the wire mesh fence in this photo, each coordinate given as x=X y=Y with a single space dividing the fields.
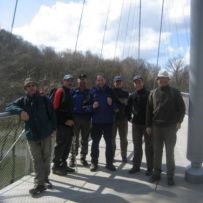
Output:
x=15 y=159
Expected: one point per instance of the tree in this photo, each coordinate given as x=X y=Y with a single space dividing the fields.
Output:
x=179 y=73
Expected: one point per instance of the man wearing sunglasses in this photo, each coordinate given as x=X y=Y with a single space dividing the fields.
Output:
x=40 y=125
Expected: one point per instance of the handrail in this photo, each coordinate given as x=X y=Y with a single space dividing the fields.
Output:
x=12 y=146
x=6 y=115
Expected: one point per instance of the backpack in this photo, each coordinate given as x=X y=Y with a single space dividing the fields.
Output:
x=52 y=94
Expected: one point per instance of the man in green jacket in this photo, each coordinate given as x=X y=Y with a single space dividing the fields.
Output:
x=165 y=113
x=40 y=125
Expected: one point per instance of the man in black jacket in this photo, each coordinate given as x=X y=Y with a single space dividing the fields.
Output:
x=165 y=112
x=121 y=117
x=63 y=106
x=137 y=107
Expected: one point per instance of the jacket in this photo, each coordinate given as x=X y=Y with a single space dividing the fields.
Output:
x=81 y=103
x=104 y=113
x=165 y=107
x=63 y=105
x=136 y=108
x=42 y=120
x=121 y=101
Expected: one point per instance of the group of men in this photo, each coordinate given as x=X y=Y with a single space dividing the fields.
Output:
x=75 y=113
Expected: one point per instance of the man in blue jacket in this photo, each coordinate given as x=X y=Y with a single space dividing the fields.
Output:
x=40 y=125
x=82 y=115
x=102 y=121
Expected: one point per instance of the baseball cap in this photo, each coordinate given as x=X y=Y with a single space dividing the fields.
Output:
x=82 y=76
x=137 y=77
x=117 y=78
x=68 y=77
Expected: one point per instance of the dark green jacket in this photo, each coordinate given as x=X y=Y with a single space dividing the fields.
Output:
x=165 y=107
x=42 y=120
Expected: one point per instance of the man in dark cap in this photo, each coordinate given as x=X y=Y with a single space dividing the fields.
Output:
x=121 y=120
x=82 y=115
x=40 y=125
x=137 y=113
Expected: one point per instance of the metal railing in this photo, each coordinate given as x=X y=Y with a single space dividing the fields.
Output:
x=15 y=161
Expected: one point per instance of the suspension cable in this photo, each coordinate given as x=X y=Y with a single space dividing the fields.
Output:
x=162 y=10
x=118 y=29
x=130 y=46
x=79 y=26
x=14 y=15
x=139 y=31
x=105 y=28
x=126 y=33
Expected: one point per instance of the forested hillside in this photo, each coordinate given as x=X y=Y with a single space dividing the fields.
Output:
x=20 y=59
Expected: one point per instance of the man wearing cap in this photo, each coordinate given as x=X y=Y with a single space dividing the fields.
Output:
x=121 y=120
x=40 y=125
x=82 y=115
x=137 y=110
x=63 y=106
x=102 y=121
x=165 y=113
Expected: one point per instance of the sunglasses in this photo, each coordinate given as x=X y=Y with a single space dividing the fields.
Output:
x=31 y=85
x=137 y=81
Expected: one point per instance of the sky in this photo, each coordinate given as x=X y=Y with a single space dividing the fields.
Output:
x=110 y=35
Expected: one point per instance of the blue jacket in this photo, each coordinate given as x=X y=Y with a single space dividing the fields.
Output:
x=42 y=120
x=81 y=103
x=104 y=114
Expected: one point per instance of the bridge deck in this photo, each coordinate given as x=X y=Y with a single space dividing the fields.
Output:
x=120 y=187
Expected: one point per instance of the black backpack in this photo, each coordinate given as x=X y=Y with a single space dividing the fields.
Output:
x=52 y=94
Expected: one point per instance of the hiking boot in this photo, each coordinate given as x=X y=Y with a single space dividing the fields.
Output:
x=72 y=163
x=67 y=169
x=124 y=160
x=93 y=167
x=148 y=172
x=48 y=184
x=154 y=178
x=37 y=189
x=84 y=162
x=58 y=170
x=170 y=181
x=134 y=170
x=70 y=170
x=110 y=167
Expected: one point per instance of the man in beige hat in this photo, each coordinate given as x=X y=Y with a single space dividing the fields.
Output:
x=40 y=125
x=165 y=112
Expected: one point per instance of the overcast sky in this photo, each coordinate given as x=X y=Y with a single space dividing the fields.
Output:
x=55 y=24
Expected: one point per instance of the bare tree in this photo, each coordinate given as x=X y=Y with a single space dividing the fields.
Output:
x=175 y=67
